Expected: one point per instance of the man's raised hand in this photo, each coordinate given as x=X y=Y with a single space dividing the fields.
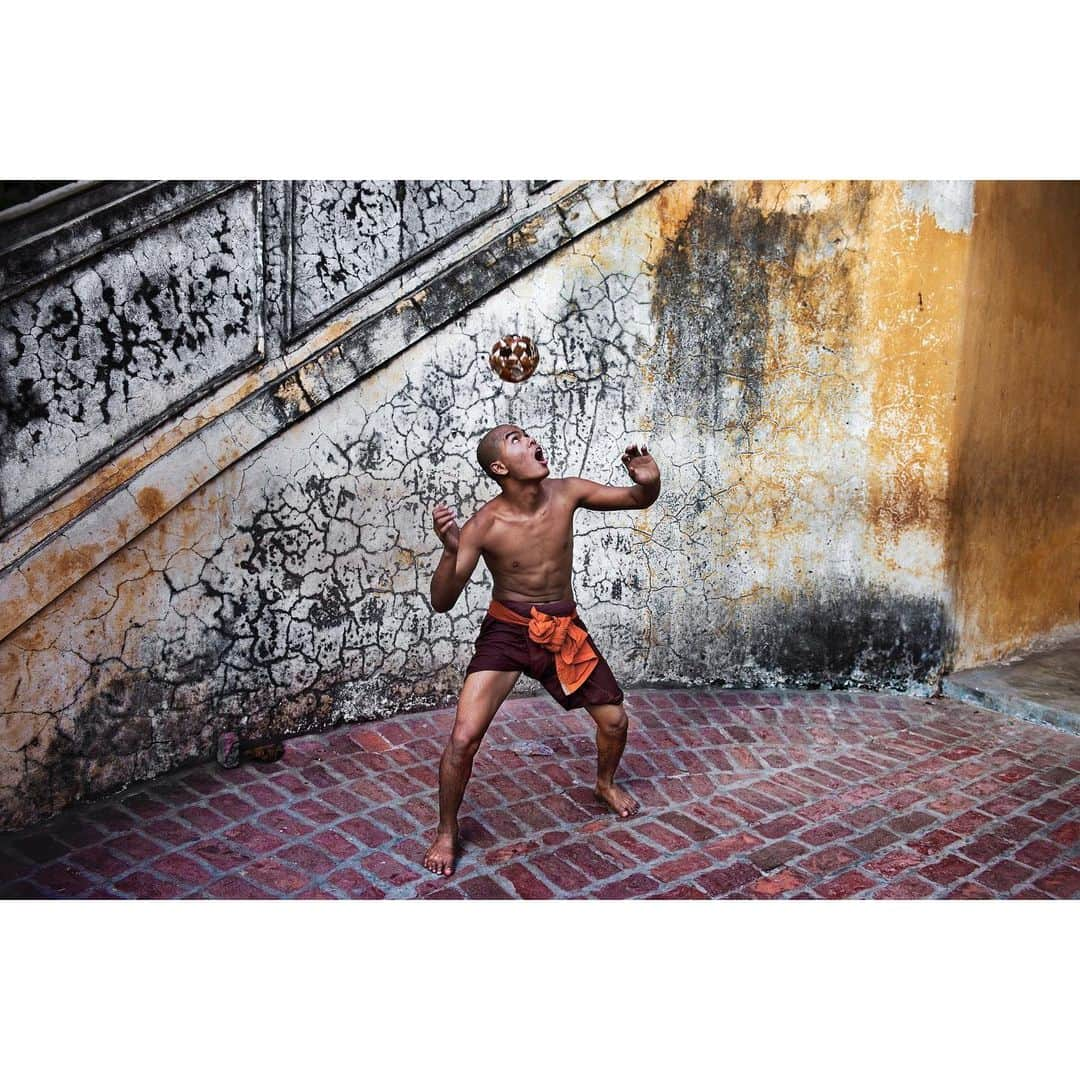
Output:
x=640 y=465
x=446 y=527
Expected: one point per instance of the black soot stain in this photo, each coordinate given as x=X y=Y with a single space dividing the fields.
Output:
x=711 y=308
x=852 y=634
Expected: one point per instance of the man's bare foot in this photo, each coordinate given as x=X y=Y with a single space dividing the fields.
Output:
x=440 y=856
x=623 y=804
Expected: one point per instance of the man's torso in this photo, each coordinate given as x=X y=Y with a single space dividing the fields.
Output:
x=531 y=557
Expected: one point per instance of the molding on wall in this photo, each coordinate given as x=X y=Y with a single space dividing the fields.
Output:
x=58 y=206
x=285 y=337
x=57 y=243
x=293 y=330
x=60 y=559
x=48 y=255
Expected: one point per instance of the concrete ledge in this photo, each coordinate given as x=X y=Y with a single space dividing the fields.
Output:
x=1043 y=687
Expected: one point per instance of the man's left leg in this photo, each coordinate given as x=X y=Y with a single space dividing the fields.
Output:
x=611 y=728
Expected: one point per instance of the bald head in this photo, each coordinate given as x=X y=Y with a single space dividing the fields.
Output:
x=491 y=447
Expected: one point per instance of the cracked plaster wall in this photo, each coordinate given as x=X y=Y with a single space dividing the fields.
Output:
x=103 y=349
x=350 y=234
x=787 y=352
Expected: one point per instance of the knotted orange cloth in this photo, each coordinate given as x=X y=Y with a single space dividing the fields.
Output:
x=575 y=658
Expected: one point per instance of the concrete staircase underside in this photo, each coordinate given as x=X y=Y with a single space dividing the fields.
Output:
x=1044 y=687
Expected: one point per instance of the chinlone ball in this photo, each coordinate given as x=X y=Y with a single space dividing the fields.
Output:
x=514 y=358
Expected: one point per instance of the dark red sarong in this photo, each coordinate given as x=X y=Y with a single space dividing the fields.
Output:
x=508 y=646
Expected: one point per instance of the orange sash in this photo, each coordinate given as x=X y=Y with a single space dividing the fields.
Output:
x=575 y=658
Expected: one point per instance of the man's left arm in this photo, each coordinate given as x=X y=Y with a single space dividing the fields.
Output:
x=643 y=470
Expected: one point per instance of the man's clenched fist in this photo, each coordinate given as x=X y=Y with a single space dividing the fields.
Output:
x=446 y=527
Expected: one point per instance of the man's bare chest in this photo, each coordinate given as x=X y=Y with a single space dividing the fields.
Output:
x=545 y=538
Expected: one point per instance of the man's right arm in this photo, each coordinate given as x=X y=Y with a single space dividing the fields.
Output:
x=454 y=569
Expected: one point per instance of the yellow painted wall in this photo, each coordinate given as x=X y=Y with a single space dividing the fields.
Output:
x=1014 y=503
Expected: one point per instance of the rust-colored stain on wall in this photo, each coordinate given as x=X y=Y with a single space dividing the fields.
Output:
x=861 y=288
x=1015 y=498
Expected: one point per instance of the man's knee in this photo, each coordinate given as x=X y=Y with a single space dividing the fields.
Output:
x=465 y=740
x=612 y=718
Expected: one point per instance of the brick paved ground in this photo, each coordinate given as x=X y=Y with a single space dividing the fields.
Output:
x=750 y=794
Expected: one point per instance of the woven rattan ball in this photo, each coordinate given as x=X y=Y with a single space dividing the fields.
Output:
x=514 y=358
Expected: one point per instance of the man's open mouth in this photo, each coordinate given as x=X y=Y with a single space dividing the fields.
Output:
x=539 y=455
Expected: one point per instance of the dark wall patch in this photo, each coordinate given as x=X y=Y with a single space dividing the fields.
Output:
x=711 y=308
x=854 y=634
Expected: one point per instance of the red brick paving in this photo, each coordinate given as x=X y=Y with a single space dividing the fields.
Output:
x=744 y=794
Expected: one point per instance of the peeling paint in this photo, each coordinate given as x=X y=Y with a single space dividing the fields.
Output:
x=350 y=234
x=950 y=202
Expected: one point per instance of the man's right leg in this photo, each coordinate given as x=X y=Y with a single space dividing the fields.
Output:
x=481 y=695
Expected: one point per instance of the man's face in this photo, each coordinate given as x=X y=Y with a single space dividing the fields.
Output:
x=522 y=455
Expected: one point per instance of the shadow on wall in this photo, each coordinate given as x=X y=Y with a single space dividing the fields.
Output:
x=1014 y=500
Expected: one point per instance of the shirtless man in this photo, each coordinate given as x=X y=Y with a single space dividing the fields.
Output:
x=525 y=535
